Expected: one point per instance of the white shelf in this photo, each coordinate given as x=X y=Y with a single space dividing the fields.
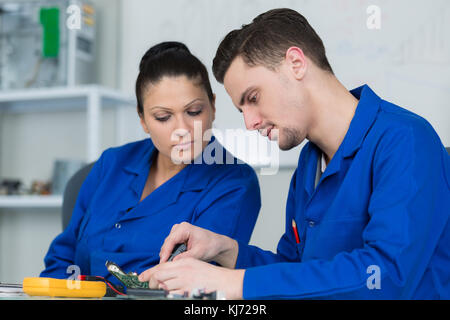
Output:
x=89 y=98
x=51 y=201
x=60 y=98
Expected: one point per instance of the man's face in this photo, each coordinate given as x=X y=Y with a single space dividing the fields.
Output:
x=269 y=100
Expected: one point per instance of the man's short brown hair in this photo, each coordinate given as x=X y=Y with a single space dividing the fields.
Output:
x=266 y=40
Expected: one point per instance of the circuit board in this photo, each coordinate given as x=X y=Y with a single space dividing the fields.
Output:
x=129 y=280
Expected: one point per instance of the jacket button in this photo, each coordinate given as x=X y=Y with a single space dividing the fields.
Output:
x=117 y=226
x=312 y=224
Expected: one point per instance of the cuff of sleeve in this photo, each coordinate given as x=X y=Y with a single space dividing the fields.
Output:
x=242 y=260
x=256 y=286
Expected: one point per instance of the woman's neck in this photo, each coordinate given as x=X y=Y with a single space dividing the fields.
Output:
x=161 y=170
x=165 y=168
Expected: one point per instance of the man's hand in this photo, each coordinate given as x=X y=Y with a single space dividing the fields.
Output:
x=201 y=244
x=185 y=275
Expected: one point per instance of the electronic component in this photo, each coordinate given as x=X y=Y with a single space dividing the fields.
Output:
x=129 y=280
x=149 y=293
x=179 y=248
x=112 y=290
x=200 y=294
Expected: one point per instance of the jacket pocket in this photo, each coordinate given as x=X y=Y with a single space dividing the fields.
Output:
x=329 y=238
x=300 y=246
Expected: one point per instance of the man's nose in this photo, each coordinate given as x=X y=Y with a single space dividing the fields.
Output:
x=252 y=119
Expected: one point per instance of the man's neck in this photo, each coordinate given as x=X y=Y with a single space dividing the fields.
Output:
x=334 y=107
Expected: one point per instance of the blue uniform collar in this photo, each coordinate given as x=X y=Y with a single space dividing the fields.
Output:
x=140 y=163
x=365 y=115
x=198 y=174
x=192 y=177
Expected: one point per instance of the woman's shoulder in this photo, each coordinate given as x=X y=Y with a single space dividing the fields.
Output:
x=222 y=164
x=127 y=152
x=131 y=147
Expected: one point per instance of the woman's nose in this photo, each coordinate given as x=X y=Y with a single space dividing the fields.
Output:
x=182 y=124
x=183 y=127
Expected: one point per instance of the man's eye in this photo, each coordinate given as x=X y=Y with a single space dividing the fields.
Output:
x=252 y=99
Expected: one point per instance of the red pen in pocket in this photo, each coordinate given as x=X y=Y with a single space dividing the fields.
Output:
x=294 y=227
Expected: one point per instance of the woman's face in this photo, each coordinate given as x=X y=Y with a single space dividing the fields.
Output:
x=176 y=114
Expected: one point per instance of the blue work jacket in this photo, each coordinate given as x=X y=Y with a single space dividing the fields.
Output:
x=110 y=223
x=377 y=224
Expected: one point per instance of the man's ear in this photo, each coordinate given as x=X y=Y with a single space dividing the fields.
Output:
x=296 y=62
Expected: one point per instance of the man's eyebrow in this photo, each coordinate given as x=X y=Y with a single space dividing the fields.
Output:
x=242 y=101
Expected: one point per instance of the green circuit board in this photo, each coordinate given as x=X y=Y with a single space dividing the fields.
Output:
x=129 y=280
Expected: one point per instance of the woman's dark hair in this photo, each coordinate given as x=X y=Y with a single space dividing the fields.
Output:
x=266 y=40
x=169 y=59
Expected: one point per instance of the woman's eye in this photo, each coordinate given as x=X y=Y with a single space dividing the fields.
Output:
x=162 y=119
x=194 y=113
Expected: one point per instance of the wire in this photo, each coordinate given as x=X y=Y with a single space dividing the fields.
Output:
x=108 y=283
x=37 y=68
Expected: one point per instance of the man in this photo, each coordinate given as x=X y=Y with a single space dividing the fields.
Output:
x=370 y=198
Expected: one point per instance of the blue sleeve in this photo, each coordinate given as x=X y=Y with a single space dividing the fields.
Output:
x=408 y=211
x=61 y=253
x=252 y=256
x=231 y=206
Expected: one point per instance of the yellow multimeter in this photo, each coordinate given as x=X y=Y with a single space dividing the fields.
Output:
x=64 y=288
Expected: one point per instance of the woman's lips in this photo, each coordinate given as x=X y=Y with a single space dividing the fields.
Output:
x=184 y=145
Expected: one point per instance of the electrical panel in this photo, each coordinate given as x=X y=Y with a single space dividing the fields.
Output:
x=46 y=43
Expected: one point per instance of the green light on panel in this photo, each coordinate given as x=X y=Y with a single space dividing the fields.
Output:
x=49 y=18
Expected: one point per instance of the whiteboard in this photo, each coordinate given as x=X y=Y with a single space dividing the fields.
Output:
x=405 y=61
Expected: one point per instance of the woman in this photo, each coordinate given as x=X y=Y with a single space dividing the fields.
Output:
x=135 y=193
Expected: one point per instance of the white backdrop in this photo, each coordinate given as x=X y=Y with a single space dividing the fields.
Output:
x=406 y=61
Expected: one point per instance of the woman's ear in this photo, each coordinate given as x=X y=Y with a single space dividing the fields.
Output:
x=296 y=62
x=213 y=106
x=143 y=124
